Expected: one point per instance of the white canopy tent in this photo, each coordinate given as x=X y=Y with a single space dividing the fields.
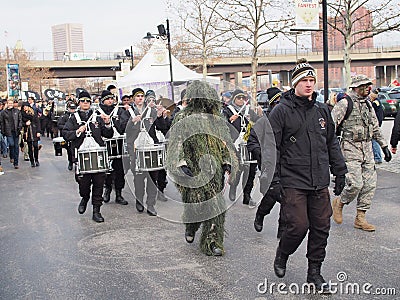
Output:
x=153 y=72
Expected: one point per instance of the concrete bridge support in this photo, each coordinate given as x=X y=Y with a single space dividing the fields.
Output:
x=380 y=76
x=239 y=80
x=284 y=78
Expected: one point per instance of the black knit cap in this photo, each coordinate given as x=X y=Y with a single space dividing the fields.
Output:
x=150 y=94
x=84 y=94
x=137 y=91
x=106 y=94
x=273 y=95
x=303 y=69
x=236 y=93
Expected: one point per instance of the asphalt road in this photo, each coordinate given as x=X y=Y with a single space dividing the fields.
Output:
x=49 y=251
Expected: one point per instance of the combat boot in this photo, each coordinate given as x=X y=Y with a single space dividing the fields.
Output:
x=119 y=199
x=107 y=193
x=97 y=217
x=82 y=205
x=361 y=222
x=314 y=276
x=280 y=263
x=258 y=222
x=337 y=207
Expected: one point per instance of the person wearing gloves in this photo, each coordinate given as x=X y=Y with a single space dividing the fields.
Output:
x=307 y=152
x=358 y=130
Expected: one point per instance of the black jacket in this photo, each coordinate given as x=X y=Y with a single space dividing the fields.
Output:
x=394 y=138
x=30 y=131
x=306 y=163
x=10 y=120
x=98 y=129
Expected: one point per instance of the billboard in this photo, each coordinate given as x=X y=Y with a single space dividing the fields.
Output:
x=13 y=80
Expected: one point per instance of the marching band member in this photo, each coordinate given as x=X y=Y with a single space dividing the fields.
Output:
x=71 y=108
x=106 y=108
x=150 y=97
x=143 y=115
x=239 y=114
x=74 y=131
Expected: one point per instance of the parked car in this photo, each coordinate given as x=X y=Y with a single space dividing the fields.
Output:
x=320 y=97
x=390 y=99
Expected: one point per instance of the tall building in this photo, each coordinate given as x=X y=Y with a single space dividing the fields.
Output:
x=67 y=38
x=336 y=43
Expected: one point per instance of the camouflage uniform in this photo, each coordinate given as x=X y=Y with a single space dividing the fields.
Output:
x=358 y=131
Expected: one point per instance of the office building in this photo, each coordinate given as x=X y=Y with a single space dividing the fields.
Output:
x=67 y=39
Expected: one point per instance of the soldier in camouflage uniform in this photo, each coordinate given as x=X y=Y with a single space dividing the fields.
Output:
x=359 y=129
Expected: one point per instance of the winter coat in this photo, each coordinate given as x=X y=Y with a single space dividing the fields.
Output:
x=306 y=163
x=30 y=131
x=10 y=120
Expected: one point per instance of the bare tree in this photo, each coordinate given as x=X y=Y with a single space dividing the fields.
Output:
x=357 y=20
x=200 y=20
x=256 y=22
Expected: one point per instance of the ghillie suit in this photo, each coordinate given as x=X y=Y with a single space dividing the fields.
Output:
x=200 y=142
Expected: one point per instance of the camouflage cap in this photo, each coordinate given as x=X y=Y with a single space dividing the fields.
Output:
x=358 y=80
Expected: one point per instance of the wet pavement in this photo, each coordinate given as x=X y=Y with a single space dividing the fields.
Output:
x=49 y=251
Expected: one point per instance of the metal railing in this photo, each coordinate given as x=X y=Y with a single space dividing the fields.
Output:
x=190 y=54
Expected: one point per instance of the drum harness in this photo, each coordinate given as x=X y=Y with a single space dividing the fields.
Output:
x=240 y=139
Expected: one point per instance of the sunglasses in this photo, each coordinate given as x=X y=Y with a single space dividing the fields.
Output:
x=85 y=100
x=242 y=97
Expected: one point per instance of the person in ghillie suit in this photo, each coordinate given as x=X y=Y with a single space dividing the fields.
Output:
x=200 y=154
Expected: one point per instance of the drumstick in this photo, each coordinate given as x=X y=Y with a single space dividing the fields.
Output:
x=235 y=116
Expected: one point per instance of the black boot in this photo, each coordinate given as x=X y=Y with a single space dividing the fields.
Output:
x=258 y=222
x=280 y=263
x=82 y=205
x=70 y=166
x=189 y=236
x=97 y=217
x=215 y=250
x=151 y=211
x=107 y=193
x=139 y=206
x=247 y=200
x=119 y=199
x=314 y=276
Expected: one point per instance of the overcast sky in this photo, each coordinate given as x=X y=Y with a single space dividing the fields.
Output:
x=107 y=25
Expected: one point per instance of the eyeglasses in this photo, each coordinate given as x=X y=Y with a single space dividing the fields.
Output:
x=139 y=95
x=241 y=97
x=85 y=100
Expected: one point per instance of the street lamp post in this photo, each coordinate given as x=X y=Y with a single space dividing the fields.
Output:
x=164 y=34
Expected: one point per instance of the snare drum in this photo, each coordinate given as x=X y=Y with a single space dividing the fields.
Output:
x=93 y=160
x=116 y=147
x=59 y=143
x=150 y=158
x=245 y=157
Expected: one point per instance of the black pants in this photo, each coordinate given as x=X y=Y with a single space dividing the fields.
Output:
x=92 y=182
x=33 y=151
x=306 y=211
x=69 y=152
x=117 y=175
x=151 y=186
x=250 y=173
x=265 y=207
x=162 y=180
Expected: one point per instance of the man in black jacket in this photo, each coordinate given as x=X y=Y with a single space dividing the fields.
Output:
x=307 y=150
x=75 y=132
x=11 y=125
